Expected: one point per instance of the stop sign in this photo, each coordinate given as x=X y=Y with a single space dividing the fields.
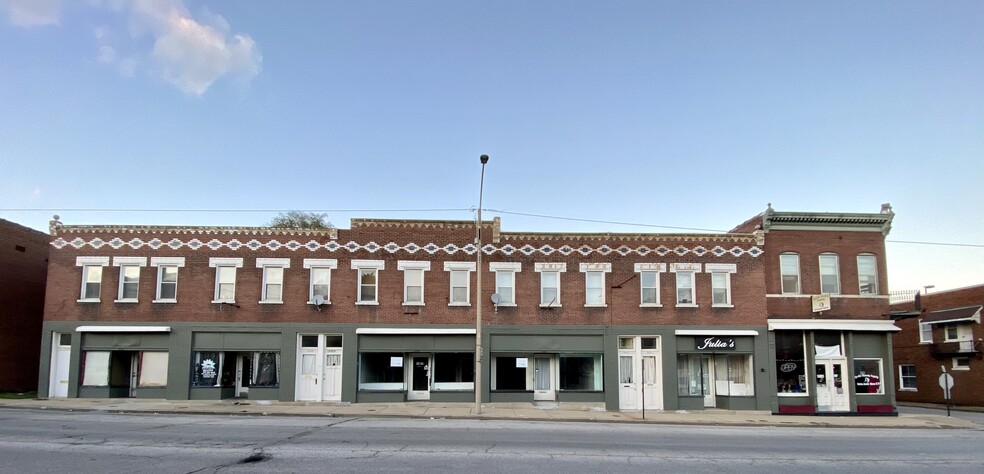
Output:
x=946 y=381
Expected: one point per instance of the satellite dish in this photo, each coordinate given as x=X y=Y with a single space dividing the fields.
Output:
x=496 y=298
x=319 y=300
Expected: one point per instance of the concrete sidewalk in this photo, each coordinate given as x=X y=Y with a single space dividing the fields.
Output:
x=491 y=411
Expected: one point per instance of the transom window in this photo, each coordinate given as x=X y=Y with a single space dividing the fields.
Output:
x=789 y=268
x=867 y=275
x=320 y=281
x=829 y=274
x=368 y=280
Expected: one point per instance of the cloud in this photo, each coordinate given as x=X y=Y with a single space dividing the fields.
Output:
x=30 y=13
x=36 y=194
x=189 y=53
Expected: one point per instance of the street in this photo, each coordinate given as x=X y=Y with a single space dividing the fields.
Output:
x=56 y=441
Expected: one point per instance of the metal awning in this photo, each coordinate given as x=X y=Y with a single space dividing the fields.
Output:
x=869 y=325
x=954 y=315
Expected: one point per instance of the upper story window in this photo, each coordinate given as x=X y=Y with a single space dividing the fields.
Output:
x=550 y=282
x=789 y=268
x=505 y=281
x=829 y=274
x=594 y=283
x=721 y=283
x=91 y=277
x=649 y=283
x=867 y=274
x=460 y=282
x=129 y=277
x=925 y=333
x=320 y=282
x=167 y=278
x=273 y=279
x=413 y=280
x=685 y=284
x=368 y=291
x=225 y=278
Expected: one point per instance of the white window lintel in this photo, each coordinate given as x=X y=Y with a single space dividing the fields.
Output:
x=94 y=261
x=126 y=261
x=321 y=263
x=720 y=268
x=549 y=267
x=596 y=267
x=684 y=267
x=505 y=266
x=225 y=262
x=459 y=266
x=413 y=265
x=650 y=267
x=377 y=264
x=167 y=261
x=273 y=262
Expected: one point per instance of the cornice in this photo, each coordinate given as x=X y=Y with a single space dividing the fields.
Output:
x=618 y=237
x=61 y=229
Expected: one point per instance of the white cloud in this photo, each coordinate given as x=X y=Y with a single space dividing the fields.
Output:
x=106 y=54
x=36 y=194
x=30 y=13
x=192 y=54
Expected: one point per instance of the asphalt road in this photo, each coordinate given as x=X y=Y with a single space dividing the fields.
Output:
x=50 y=441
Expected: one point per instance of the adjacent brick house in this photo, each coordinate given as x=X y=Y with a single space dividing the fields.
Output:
x=385 y=311
x=23 y=269
x=940 y=330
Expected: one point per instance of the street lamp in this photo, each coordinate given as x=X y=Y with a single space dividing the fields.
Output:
x=478 y=284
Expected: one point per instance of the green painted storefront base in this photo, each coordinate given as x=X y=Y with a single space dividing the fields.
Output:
x=212 y=393
x=272 y=393
x=381 y=397
x=518 y=396
x=581 y=397
x=452 y=396
x=151 y=392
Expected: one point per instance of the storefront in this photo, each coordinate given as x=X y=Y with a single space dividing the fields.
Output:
x=716 y=369
x=407 y=364
x=114 y=361
x=832 y=366
x=235 y=365
x=559 y=367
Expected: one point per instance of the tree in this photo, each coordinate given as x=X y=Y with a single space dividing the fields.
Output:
x=300 y=220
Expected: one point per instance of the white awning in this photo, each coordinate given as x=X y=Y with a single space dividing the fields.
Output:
x=873 y=325
x=712 y=332
x=123 y=329
x=413 y=331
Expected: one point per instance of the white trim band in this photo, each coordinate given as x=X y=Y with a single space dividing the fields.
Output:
x=121 y=261
x=273 y=262
x=833 y=324
x=712 y=332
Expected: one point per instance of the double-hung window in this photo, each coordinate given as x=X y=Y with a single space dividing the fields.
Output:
x=129 y=277
x=225 y=278
x=907 y=377
x=721 y=283
x=594 y=283
x=319 y=288
x=91 y=277
x=925 y=333
x=273 y=279
x=550 y=283
x=505 y=281
x=413 y=281
x=368 y=277
x=867 y=274
x=829 y=274
x=649 y=283
x=460 y=282
x=685 y=284
x=789 y=268
x=167 y=278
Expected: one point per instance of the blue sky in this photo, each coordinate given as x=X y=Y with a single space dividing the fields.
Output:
x=681 y=114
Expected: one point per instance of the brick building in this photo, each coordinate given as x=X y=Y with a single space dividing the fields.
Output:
x=23 y=268
x=385 y=311
x=940 y=330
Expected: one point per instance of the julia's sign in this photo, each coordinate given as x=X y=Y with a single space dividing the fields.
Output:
x=716 y=344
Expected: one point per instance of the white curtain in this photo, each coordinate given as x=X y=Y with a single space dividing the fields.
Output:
x=828 y=351
x=96 y=369
x=153 y=369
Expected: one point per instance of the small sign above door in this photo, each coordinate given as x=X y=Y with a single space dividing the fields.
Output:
x=716 y=344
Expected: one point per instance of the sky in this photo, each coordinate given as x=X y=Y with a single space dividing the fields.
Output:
x=671 y=116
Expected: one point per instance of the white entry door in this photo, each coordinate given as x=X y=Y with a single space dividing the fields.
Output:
x=652 y=392
x=420 y=365
x=543 y=384
x=333 y=376
x=134 y=374
x=628 y=391
x=832 y=395
x=61 y=351
x=307 y=382
x=244 y=374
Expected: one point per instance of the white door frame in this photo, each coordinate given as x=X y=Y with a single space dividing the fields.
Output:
x=633 y=394
x=628 y=389
x=242 y=391
x=707 y=376
x=58 y=373
x=549 y=365
x=134 y=374
x=414 y=377
x=331 y=376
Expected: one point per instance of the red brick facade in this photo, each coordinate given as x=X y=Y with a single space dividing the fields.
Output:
x=23 y=266
x=927 y=357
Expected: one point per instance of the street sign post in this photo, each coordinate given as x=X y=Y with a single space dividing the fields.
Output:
x=946 y=383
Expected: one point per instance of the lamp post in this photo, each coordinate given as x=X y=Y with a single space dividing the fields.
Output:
x=478 y=284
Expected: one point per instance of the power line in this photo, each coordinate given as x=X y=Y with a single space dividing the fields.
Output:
x=471 y=209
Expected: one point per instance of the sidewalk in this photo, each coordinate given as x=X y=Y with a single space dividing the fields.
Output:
x=491 y=411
